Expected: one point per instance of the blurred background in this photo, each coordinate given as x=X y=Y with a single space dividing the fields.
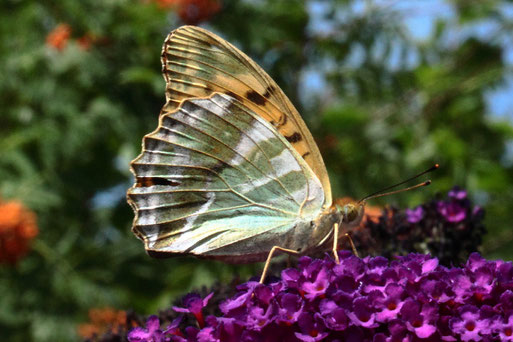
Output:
x=387 y=88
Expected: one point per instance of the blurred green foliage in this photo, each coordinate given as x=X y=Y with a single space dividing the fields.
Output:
x=381 y=104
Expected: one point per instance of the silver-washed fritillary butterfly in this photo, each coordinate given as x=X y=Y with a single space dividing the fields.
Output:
x=232 y=171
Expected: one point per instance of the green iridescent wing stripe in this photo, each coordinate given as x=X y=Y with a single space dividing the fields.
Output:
x=197 y=63
x=215 y=176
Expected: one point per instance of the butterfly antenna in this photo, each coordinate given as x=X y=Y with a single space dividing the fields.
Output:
x=381 y=194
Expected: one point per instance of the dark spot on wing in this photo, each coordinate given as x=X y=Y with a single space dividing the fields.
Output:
x=294 y=138
x=256 y=98
x=151 y=181
x=283 y=120
x=305 y=154
x=269 y=91
x=232 y=94
x=218 y=167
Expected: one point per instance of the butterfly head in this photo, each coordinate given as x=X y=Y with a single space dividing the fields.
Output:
x=352 y=214
x=347 y=215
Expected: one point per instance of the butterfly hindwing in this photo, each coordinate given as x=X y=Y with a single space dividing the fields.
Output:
x=217 y=180
x=197 y=63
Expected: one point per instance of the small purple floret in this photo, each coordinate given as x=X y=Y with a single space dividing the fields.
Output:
x=194 y=304
x=152 y=332
x=415 y=215
x=452 y=211
x=457 y=193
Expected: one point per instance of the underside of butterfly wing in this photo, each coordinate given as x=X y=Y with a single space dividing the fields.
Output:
x=197 y=63
x=216 y=180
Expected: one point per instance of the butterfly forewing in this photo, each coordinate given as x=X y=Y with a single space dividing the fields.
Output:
x=197 y=63
x=217 y=180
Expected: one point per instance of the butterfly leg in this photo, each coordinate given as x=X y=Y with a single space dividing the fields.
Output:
x=270 y=256
x=335 y=243
x=355 y=252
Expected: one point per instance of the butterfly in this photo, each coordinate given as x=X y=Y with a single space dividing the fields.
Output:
x=231 y=172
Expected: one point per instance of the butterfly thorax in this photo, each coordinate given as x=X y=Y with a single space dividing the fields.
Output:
x=322 y=231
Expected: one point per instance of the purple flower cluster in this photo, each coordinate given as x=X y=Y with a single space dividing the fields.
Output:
x=412 y=298
x=449 y=228
x=454 y=210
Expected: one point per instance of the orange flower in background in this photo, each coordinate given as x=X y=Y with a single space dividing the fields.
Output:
x=192 y=12
x=101 y=321
x=372 y=213
x=59 y=36
x=17 y=228
x=85 y=41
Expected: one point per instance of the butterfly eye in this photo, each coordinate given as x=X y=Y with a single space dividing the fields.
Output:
x=352 y=213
